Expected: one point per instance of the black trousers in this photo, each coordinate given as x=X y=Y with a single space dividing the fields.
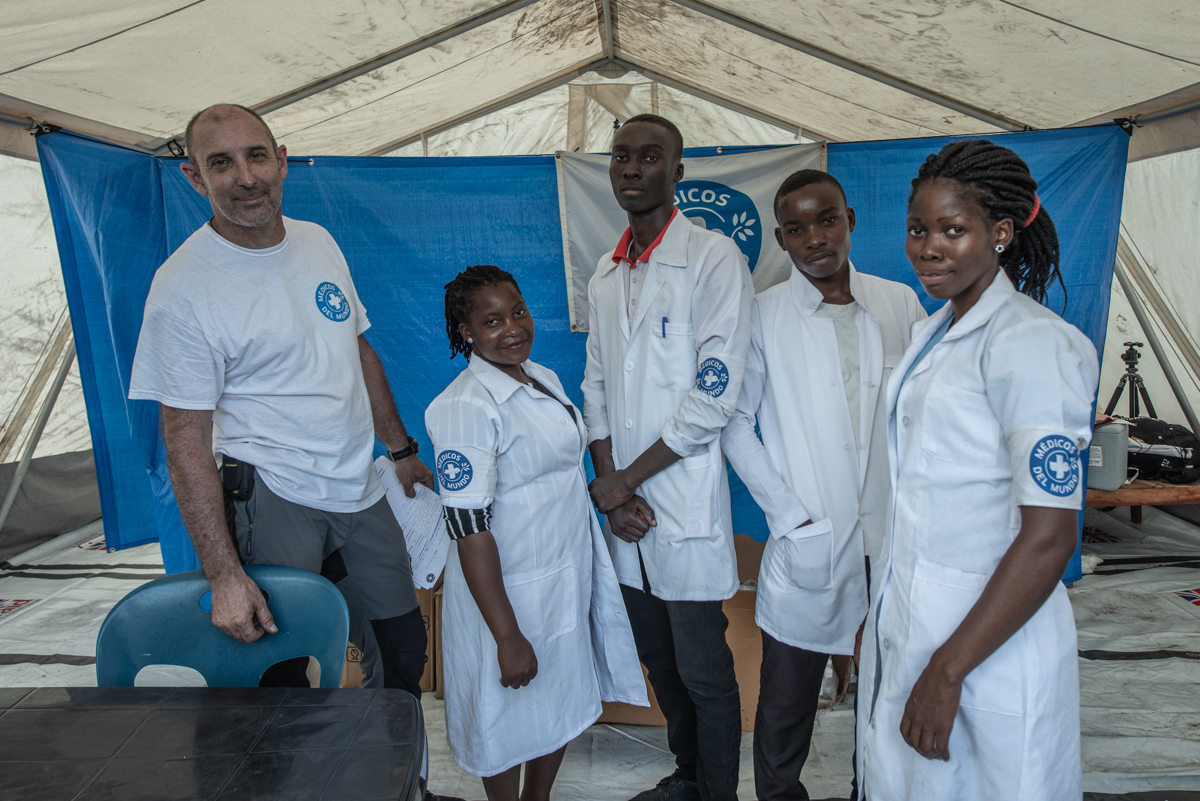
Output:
x=682 y=644
x=790 y=687
x=401 y=641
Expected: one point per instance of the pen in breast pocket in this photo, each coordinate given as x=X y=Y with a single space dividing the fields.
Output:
x=664 y=328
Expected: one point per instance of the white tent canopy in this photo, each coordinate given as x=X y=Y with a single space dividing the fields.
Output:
x=364 y=77
x=486 y=77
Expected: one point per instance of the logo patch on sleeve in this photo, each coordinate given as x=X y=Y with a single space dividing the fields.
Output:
x=712 y=377
x=1054 y=465
x=332 y=303
x=454 y=471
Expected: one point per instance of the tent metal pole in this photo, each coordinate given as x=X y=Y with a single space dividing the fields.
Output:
x=33 y=556
x=1167 y=113
x=25 y=123
x=991 y=118
x=1155 y=345
x=38 y=427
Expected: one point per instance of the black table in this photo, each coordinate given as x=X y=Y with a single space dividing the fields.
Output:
x=198 y=743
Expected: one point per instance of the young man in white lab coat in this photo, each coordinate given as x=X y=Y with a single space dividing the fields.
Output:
x=669 y=326
x=823 y=346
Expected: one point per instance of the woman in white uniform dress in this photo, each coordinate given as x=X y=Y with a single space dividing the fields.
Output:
x=969 y=667
x=534 y=631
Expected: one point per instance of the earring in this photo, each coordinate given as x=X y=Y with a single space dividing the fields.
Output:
x=470 y=341
x=999 y=248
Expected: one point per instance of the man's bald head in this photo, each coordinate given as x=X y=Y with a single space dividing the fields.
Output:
x=216 y=113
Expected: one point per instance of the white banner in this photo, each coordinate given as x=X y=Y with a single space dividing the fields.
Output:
x=733 y=194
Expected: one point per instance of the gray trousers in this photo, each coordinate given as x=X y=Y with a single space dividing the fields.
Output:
x=364 y=555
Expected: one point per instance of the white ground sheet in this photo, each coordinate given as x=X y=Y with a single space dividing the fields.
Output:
x=1138 y=715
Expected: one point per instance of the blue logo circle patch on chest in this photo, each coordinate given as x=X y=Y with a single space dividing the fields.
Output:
x=712 y=377
x=332 y=303
x=454 y=471
x=1054 y=465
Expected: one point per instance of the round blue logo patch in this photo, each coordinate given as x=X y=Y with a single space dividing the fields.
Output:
x=718 y=207
x=712 y=377
x=454 y=471
x=1054 y=465
x=332 y=302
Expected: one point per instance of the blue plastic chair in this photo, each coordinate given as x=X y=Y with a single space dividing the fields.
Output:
x=168 y=621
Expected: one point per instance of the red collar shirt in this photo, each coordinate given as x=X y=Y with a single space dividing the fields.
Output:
x=635 y=276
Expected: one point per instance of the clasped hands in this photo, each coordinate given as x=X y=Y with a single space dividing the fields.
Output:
x=629 y=516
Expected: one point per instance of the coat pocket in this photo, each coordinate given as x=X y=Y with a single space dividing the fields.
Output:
x=672 y=356
x=942 y=596
x=960 y=427
x=545 y=601
x=808 y=555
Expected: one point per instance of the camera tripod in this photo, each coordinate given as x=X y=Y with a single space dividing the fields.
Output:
x=1130 y=357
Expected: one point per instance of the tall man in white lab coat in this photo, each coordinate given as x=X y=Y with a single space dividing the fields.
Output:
x=823 y=346
x=669 y=326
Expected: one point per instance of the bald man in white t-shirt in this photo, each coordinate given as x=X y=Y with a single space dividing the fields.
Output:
x=252 y=341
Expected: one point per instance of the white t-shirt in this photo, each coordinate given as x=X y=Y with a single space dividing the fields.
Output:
x=268 y=339
x=845 y=326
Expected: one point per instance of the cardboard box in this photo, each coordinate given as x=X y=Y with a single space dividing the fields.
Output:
x=352 y=670
x=439 y=689
x=617 y=712
x=745 y=640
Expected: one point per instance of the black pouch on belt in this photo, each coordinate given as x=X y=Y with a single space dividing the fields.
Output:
x=237 y=479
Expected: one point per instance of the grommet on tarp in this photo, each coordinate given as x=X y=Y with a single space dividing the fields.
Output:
x=1127 y=125
x=44 y=127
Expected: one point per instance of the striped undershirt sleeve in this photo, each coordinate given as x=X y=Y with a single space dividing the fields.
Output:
x=461 y=522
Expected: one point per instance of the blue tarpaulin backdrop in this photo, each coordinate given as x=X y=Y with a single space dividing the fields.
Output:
x=408 y=225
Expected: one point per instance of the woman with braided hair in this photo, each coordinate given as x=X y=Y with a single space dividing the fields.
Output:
x=534 y=631
x=968 y=668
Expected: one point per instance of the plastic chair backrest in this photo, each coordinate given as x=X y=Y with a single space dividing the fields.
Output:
x=168 y=621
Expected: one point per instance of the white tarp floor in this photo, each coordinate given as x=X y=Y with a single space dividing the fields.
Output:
x=1139 y=715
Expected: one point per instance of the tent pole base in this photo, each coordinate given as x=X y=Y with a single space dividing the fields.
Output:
x=60 y=543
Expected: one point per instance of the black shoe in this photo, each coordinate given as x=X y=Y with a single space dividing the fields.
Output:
x=672 y=788
x=431 y=797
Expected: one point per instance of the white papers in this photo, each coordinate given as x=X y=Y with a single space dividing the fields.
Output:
x=421 y=518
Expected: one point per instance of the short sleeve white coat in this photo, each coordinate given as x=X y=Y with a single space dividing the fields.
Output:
x=995 y=417
x=500 y=441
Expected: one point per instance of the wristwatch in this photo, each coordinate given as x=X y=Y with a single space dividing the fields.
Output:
x=404 y=453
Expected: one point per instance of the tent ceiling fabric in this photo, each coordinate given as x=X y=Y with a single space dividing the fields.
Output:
x=1009 y=58
x=843 y=69
x=397 y=102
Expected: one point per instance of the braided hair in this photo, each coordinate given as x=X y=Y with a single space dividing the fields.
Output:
x=1000 y=182
x=460 y=298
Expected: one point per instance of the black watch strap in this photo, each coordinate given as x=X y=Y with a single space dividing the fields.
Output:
x=404 y=453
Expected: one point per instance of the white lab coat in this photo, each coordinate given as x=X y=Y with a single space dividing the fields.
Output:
x=512 y=446
x=993 y=418
x=673 y=371
x=812 y=586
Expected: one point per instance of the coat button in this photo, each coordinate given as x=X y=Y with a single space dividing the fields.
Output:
x=845 y=447
x=854 y=582
x=562 y=422
x=887 y=644
x=628 y=366
x=629 y=424
x=906 y=421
